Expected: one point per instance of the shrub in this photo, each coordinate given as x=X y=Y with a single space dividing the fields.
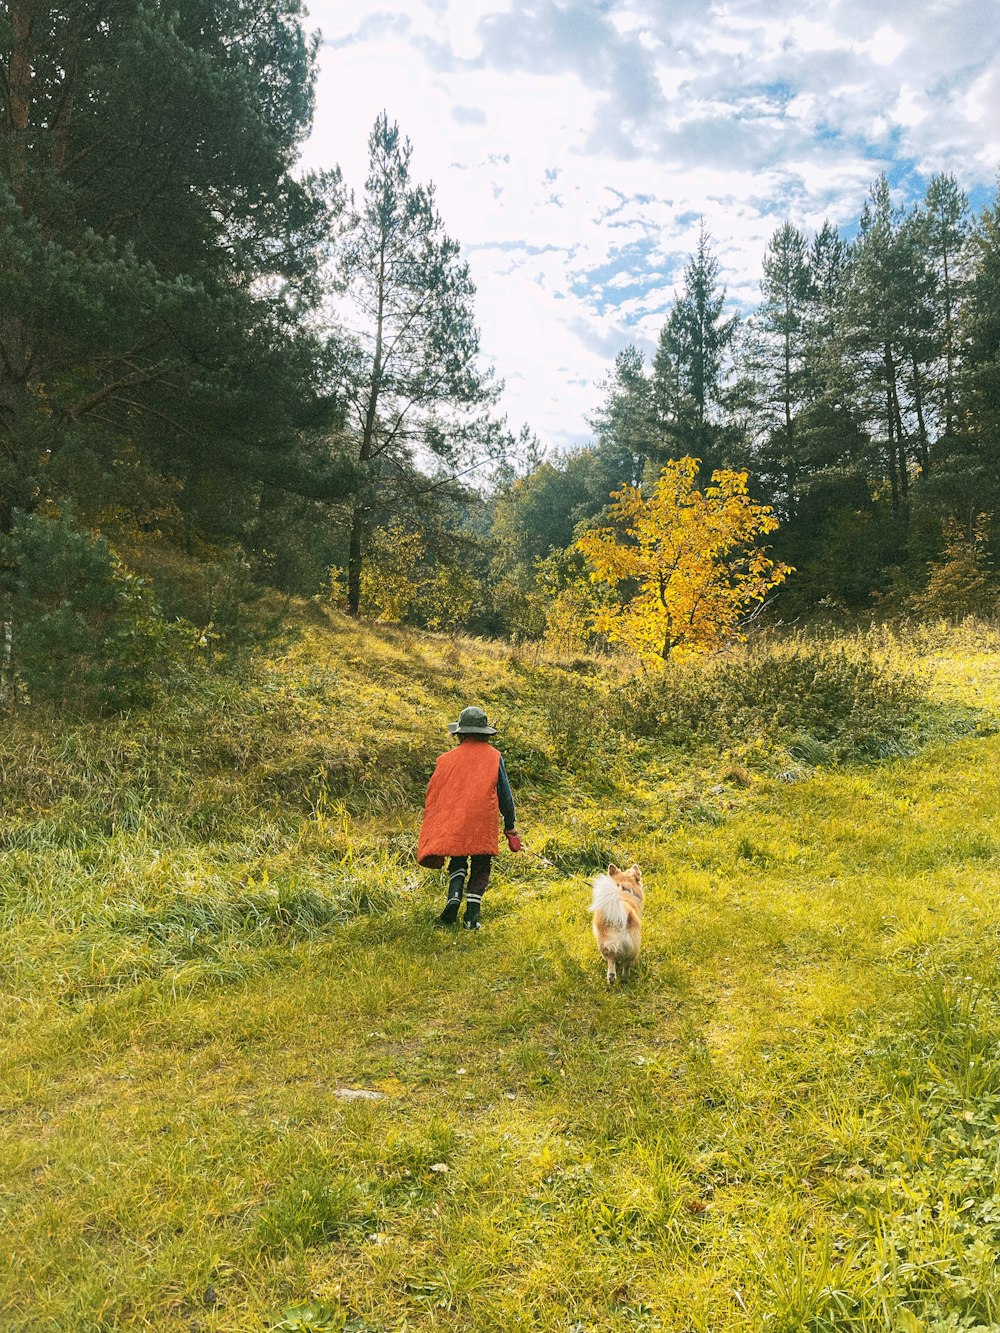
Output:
x=958 y=583
x=840 y=701
x=86 y=629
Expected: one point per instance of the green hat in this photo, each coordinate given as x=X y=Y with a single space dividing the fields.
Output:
x=471 y=722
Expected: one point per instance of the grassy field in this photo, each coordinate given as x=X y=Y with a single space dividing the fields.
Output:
x=247 y=1084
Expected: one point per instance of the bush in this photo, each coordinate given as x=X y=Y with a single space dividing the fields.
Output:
x=86 y=630
x=958 y=583
x=839 y=701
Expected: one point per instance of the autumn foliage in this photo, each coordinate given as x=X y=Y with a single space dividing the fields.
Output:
x=683 y=562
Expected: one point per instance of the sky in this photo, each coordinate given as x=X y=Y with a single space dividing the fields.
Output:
x=576 y=146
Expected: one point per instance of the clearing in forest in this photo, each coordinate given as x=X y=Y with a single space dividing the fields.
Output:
x=247 y=1084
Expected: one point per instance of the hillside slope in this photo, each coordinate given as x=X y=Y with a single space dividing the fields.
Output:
x=246 y=1083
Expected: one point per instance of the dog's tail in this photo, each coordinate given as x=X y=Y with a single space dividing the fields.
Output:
x=608 y=901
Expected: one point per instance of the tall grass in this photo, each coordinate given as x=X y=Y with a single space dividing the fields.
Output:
x=246 y=1084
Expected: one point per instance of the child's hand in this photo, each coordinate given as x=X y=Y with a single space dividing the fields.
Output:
x=513 y=841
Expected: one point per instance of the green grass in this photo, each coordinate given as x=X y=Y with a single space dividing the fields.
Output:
x=214 y=937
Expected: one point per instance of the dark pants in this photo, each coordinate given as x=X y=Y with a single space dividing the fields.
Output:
x=472 y=880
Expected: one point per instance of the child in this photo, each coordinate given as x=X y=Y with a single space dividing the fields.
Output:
x=467 y=793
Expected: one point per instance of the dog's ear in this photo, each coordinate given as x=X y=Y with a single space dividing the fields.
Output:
x=636 y=871
x=613 y=869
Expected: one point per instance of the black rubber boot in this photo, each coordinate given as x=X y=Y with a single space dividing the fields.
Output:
x=471 y=919
x=456 y=887
x=450 y=914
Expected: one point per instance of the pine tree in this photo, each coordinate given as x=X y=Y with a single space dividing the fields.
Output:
x=157 y=253
x=689 y=364
x=782 y=320
x=976 y=463
x=626 y=424
x=888 y=332
x=410 y=372
x=826 y=359
x=945 y=217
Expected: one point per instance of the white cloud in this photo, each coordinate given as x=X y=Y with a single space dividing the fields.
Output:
x=885 y=46
x=577 y=144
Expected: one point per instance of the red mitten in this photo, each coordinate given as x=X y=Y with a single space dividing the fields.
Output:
x=513 y=841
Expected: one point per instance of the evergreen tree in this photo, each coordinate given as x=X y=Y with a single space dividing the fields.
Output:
x=782 y=320
x=88 y=630
x=945 y=218
x=157 y=254
x=410 y=372
x=808 y=442
x=975 y=464
x=626 y=425
x=676 y=411
x=829 y=433
x=689 y=364
x=948 y=488
x=889 y=317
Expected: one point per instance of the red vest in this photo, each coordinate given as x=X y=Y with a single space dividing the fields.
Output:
x=461 y=812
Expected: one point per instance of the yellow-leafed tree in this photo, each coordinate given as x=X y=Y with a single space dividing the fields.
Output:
x=685 y=562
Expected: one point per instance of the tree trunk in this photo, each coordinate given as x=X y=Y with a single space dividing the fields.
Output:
x=7 y=665
x=22 y=20
x=13 y=401
x=13 y=356
x=949 y=352
x=359 y=514
x=904 y=476
x=890 y=421
x=355 y=557
x=918 y=403
x=790 y=468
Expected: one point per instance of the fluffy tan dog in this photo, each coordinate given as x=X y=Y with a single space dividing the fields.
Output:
x=617 y=909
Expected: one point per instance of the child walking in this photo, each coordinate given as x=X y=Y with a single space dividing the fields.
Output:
x=467 y=794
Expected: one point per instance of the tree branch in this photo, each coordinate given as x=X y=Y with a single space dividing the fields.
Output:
x=111 y=390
